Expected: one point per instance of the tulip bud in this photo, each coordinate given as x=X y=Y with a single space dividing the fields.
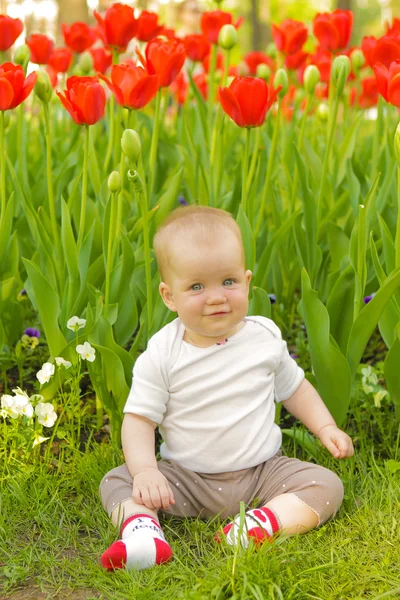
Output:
x=281 y=79
x=323 y=111
x=263 y=71
x=22 y=56
x=227 y=37
x=43 y=89
x=272 y=50
x=397 y=144
x=131 y=145
x=85 y=62
x=114 y=182
x=138 y=186
x=341 y=68
x=357 y=60
x=312 y=76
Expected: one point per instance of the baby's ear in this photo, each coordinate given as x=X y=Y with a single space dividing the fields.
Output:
x=166 y=296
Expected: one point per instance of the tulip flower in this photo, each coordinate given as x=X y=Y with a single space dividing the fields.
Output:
x=79 y=36
x=84 y=99
x=133 y=87
x=388 y=82
x=197 y=47
x=14 y=88
x=385 y=50
x=41 y=47
x=255 y=58
x=290 y=36
x=323 y=60
x=118 y=26
x=60 y=59
x=147 y=26
x=247 y=100
x=10 y=30
x=369 y=93
x=296 y=61
x=211 y=23
x=333 y=30
x=102 y=59
x=166 y=58
x=180 y=88
x=394 y=28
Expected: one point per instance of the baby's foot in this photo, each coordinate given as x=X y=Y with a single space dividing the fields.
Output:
x=260 y=524
x=142 y=545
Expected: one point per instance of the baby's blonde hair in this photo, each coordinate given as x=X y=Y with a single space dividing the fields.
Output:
x=194 y=223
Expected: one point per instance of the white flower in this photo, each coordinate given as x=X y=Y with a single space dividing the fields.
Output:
x=39 y=439
x=27 y=410
x=86 y=351
x=60 y=361
x=45 y=373
x=8 y=406
x=46 y=414
x=75 y=323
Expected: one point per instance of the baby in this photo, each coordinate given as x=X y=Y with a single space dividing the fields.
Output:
x=208 y=380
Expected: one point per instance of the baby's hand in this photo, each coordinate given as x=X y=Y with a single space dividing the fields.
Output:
x=151 y=488
x=336 y=441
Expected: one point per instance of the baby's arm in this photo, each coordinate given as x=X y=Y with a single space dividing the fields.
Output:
x=307 y=405
x=150 y=486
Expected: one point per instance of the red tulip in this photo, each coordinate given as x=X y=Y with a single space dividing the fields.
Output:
x=388 y=82
x=166 y=58
x=211 y=23
x=289 y=36
x=10 y=30
x=369 y=94
x=255 y=58
x=14 y=88
x=52 y=76
x=118 y=26
x=133 y=87
x=200 y=81
x=167 y=32
x=296 y=61
x=41 y=47
x=385 y=50
x=247 y=101
x=180 y=87
x=333 y=30
x=197 y=47
x=84 y=99
x=148 y=27
x=219 y=65
x=102 y=59
x=60 y=59
x=79 y=36
x=393 y=29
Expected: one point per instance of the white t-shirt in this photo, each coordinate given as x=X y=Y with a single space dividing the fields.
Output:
x=215 y=406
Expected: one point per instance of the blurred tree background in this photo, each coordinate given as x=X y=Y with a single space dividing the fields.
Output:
x=47 y=15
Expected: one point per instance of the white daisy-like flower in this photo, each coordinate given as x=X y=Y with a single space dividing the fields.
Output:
x=45 y=373
x=60 y=361
x=8 y=406
x=86 y=351
x=75 y=323
x=46 y=414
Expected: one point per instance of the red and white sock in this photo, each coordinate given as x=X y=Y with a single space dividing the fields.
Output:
x=260 y=524
x=142 y=545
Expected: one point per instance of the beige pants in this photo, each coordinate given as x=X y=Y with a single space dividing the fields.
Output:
x=208 y=494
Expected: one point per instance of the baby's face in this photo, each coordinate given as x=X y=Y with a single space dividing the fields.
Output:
x=208 y=287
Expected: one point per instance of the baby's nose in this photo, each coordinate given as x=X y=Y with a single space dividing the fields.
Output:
x=216 y=297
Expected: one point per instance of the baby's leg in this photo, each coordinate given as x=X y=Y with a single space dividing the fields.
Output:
x=294 y=497
x=142 y=542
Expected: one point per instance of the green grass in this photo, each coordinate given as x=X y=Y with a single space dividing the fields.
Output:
x=53 y=530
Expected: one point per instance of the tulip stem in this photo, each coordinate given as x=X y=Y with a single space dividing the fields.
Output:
x=332 y=125
x=299 y=146
x=50 y=190
x=154 y=144
x=375 y=143
x=84 y=189
x=110 y=257
x=253 y=160
x=3 y=164
x=21 y=146
x=397 y=254
x=210 y=98
x=271 y=158
x=245 y=168
x=111 y=118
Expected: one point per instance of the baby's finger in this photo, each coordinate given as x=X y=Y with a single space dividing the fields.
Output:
x=147 y=499
x=333 y=449
x=164 y=494
x=155 y=497
x=171 y=495
x=137 y=496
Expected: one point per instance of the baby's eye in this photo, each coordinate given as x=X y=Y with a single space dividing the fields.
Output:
x=229 y=282
x=196 y=287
